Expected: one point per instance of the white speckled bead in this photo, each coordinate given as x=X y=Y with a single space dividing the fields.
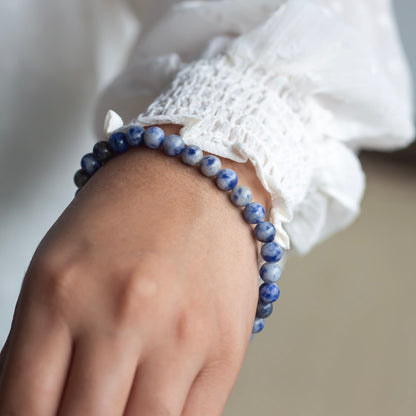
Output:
x=241 y=195
x=270 y=272
x=258 y=325
x=192 y=155
x=227 y=180
x=153 y=137
x=269 y=292
x=90 y=164
x=271 y=252
x=173 y=145
x=254 y=213
x=135 y=135
x=265 y=231
x=210 y=165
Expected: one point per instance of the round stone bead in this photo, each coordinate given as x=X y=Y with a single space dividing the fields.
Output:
x=173 y=145
x=135 y=136
x=264 y=310
x=80 y=178
x=265 y=231
x=241 y=195
x=153 y=137
x=210 y=165
x=271 y=252
x=192 y=155
x=254 y=213
x=102 y=151
x=227 y=179
x=118 y=142
x=270 y=272
x=269 y=292
x=90 y=164
x=258 y=325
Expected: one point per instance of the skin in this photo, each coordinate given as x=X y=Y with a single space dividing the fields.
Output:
x=139 y=300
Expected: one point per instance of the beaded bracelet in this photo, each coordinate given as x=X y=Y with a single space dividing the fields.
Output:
x=226 y=179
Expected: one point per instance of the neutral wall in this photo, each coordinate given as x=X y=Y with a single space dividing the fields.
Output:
x=342 y=338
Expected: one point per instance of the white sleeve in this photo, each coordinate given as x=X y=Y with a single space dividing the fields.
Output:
x=297 y=87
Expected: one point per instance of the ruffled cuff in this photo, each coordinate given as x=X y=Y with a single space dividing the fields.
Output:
x=233 y=112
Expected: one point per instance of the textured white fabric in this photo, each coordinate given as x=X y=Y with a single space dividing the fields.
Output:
x=296 y=87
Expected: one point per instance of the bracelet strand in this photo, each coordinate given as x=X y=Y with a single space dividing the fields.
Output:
x=132 y=136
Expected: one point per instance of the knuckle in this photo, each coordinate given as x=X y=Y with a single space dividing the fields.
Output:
x=137 y=297
x=192 y=324
x=53 y=284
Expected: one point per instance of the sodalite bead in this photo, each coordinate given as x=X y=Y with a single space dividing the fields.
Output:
x=271 y=252
x=118 y=142
x=254 y=213
x=264 y=310
x=227 y=179
x=102 y=151
x=210 y=165
x=258 y=325
x=265 y=231
x=269 y=292
x=135 y=136
x=153 y=137
x=270 y=272
x=241 y=195
x=90 y=164
x=192 y=155
x=173 y=145
x=80 y=178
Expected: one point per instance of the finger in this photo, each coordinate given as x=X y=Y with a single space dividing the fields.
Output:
x=212 y=387
x=100 y=377
x=34 y=371
x=162 y=383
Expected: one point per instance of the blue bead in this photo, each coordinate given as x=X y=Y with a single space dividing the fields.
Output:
x=153 y=137
x=269 y=292
x=173 y=145
x=265 y=231
x=258 y=325
x=210 y=165
x=81 y=178
x=254 y=213
x=251 y=337
x=270 y=272
x=227 y=179
x=89 y=163
x=118 y=142
x=135 y=136
x=264 y=310
x=271 y=252
x=192 y=155
x=241 y=195
x=102 y=151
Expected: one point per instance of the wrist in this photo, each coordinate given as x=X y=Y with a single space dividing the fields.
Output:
x=245 y=171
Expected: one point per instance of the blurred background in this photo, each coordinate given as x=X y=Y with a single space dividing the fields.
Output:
x=342 y=339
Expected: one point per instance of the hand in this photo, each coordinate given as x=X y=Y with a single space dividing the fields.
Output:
x=139 y=300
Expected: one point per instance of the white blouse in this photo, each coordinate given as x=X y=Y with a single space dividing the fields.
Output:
x=297 y=87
